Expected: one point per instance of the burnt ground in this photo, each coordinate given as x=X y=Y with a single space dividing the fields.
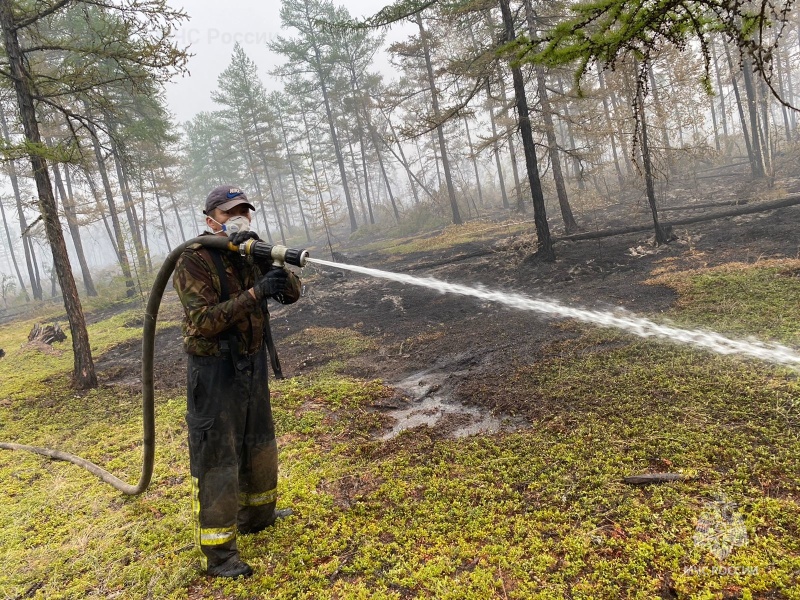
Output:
x=453 y=347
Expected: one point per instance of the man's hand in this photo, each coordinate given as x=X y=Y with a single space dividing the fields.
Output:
x=271 y=285
x=240 y=237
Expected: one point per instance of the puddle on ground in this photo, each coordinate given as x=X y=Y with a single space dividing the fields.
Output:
x=431 y=406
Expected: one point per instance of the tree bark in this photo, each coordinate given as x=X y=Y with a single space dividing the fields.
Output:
x=294 y=175
x=661 y=236
x=27 y=248
x=570 y=225
x=13 y=254
x=83 y=375
x=451 y=193
x=755 y=143
x=122 y=253
x=722 y=110
x=544 y=242
x=74 y=230
x=496 y=149
x=512 y=152
x=323 y=84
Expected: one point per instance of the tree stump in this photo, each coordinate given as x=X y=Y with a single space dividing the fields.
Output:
x=47 y=334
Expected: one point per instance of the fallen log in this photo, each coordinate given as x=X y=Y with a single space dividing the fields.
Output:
x=706 y=205
x=734 y=212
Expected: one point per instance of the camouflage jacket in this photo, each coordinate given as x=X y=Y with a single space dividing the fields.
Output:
x=206 y=319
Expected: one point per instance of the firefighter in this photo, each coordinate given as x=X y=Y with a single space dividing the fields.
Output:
x=233 y=454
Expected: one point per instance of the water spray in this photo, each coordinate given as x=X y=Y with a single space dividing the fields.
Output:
x=638 y=326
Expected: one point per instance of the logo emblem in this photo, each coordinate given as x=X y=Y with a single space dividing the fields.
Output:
x=233 y=192
x=720 y=528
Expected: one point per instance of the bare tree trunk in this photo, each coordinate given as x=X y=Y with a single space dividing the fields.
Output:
x=83 y=367
x=174 y=206
x=13 y=254
x=160 y=211
x=722 y=109
x=570 y=225
x=334 y=137
x=27 y=247
x=74 y=230
x=512 y=151
x=423 y=36
x=496 y=149
x=112 y=209
x=358 y=186
x=294 y=175
x=661 y=237
x=740 y=107
x=610 y=125
x=127 y=202
x=376 y=145
x=750 y=92
x=406 y=165
x=544 y=241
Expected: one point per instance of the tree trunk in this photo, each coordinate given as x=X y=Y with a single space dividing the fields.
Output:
x=661 y=237
x=512 y=152
x=750 y=92
x=83 y=375
x=128 y=203
x=406 y=165
x=570 y=225
x=722 y=109
x=323 y=84
x=294 y=175
x=496 y=149
x=545 y=243
x=13 y=254
x=160 y=211
x=122 y=253
x=74 y=230
x=174 y=205
x=451 y=193
x=376 y=141
x=27 y=248
x=740 y=107
x=610 y=125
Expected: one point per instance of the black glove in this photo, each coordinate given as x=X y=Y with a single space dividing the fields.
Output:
x=272 y=285
x=240 y=237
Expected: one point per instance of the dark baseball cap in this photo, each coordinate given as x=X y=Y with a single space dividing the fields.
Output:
x=225 y=197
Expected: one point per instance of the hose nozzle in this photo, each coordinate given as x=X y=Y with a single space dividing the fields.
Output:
x=277 y=254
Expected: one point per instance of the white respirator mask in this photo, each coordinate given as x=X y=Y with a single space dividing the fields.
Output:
x=234 y=224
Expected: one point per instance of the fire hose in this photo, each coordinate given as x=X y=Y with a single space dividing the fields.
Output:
x=260 y=250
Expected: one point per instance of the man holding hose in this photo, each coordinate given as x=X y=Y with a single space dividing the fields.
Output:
x=232 y=449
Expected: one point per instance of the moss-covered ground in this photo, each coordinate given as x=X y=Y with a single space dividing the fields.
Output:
x=538 y=512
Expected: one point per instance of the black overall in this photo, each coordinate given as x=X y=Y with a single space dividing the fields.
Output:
x=233 y=454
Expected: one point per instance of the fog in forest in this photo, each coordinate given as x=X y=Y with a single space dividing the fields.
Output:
x=340 y=132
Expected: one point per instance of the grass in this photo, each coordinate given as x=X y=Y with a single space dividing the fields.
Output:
x=540 y=512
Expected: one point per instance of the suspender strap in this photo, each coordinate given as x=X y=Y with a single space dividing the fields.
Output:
x=273 y=351
x=224 y=295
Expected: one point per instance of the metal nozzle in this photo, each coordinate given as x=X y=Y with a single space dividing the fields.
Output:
x=276 y=253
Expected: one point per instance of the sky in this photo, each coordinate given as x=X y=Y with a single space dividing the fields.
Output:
x=213 y=29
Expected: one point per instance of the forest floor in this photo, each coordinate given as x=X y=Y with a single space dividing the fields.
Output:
x=436 y=445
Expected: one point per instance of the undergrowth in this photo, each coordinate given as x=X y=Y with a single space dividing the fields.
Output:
x=538 y=512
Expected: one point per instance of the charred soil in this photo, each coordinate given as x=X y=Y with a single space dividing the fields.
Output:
x=461 y=350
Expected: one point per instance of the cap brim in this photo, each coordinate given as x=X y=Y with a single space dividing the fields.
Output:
x=235 y=202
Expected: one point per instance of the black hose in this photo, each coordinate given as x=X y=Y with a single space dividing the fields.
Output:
x=148 y=394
